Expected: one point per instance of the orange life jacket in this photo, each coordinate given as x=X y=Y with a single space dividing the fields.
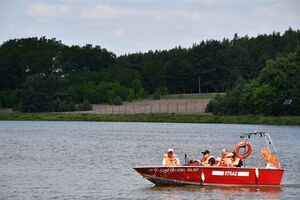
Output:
x=205 y=162
x=171 y=161
x=224 y=159
x=270 y=157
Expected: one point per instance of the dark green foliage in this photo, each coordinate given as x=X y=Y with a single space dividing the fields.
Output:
x=160 y=92
x=7 y=99
x=44 y=71
x=278 y=81
x=214 y=105
x=230 y=103
x=110 y=91
x=117 y=101
x=137 y=89
x=43 y=93
x=84 y=106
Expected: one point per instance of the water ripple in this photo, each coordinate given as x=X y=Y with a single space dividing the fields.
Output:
x=89 y=160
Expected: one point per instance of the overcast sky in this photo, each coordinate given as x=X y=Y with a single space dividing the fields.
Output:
x=127 y=26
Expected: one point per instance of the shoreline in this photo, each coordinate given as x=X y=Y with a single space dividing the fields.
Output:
x=163 y=118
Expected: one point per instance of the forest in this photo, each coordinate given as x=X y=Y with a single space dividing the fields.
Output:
x=260 y=75
x=275 y=91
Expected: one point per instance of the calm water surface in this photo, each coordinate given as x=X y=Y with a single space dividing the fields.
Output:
x=94 y=160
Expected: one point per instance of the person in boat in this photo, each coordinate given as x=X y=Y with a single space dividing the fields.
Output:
x=270 y=166
x=207 y=159
x=229 y=159
x=170 y=159
x=218 y=162
x=237 y=162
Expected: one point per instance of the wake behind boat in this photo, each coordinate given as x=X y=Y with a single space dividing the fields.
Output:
x=193 y=174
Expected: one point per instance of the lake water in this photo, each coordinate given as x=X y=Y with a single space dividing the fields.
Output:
x=94 y=160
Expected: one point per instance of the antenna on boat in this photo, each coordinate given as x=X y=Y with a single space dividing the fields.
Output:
x=248 y=135
x=267 y=138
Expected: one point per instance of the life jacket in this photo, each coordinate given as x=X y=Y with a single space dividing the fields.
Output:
x=206 y=161
x=224 y=160
x=171 y=161
x=270 y=157
x=237 y=162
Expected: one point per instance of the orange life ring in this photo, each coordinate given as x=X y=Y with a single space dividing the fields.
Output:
x=243 y=144
x=270 y=157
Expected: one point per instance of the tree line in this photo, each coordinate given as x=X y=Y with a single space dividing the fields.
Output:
x=40 y=74
x=275 y=91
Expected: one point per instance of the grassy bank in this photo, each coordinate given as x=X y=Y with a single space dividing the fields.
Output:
x=245 y=119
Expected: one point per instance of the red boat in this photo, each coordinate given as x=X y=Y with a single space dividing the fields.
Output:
x=218 y=176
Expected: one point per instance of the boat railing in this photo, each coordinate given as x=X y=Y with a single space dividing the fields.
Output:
x=267 y=138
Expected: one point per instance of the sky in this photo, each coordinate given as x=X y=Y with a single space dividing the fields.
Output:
x=130 y=26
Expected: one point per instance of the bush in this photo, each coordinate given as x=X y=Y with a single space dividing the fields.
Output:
x=84 y=106
x=156 y=95
x=111 y=90
x=117 y=101
x=160 y=92
x=58 y=105
x=141 y=94
x=7 y=99
x=215 y=105
x=131 y=95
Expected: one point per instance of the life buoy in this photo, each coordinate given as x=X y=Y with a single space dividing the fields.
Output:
x=243 y=144
x=270 y=157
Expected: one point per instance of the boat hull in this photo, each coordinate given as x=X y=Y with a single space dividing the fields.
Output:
x=200 y=175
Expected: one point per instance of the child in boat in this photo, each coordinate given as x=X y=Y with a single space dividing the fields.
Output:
x=170 y=159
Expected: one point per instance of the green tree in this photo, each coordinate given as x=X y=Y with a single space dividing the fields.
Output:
x=277 y=82
x=39 y=91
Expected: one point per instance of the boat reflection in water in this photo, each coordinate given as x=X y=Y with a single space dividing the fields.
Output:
x=212 y=192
